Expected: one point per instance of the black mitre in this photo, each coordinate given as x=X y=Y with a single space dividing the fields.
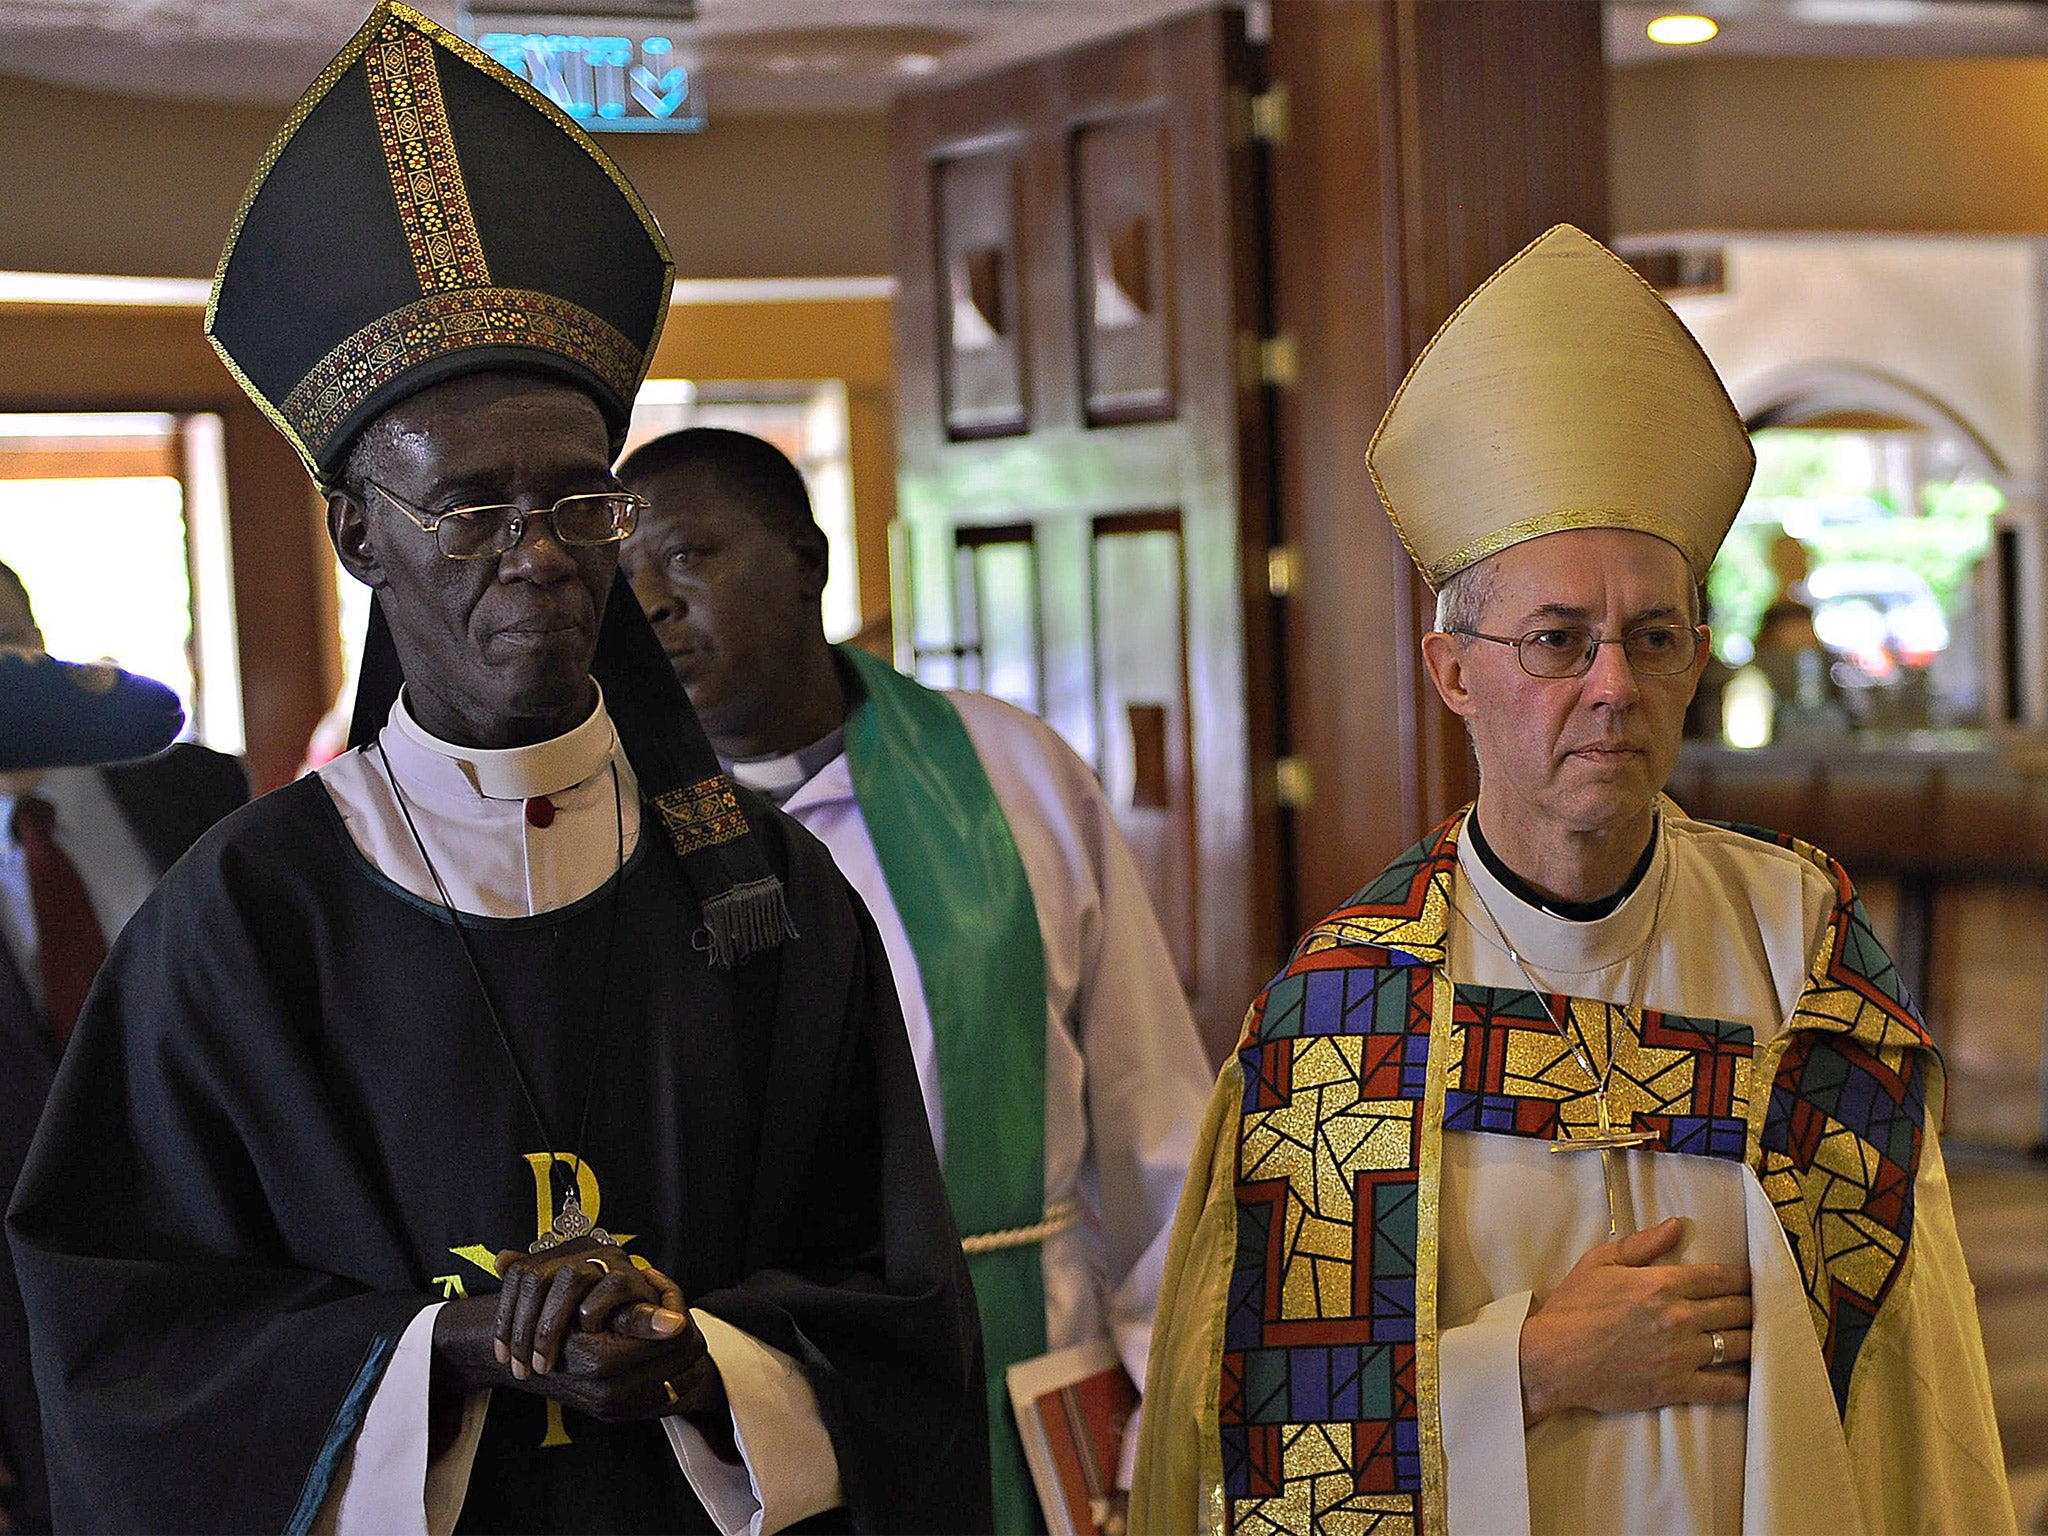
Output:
x=60 y=714
x=425 y=214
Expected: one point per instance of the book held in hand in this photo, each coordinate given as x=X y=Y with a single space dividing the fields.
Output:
x=1073 y=1407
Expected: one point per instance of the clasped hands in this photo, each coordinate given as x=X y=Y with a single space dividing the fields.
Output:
x=583 y=1324
x=1623 y=1333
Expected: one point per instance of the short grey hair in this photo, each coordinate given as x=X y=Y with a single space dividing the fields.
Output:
x=1461 y=601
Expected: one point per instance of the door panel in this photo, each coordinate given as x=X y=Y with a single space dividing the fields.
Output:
x=981 y=308
x=1142 y=696
x=1123 y=251
x=1133 y=284
x=996 y=571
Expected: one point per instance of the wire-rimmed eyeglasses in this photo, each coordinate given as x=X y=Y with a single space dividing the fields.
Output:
x=1567 y=650
x=476 y=533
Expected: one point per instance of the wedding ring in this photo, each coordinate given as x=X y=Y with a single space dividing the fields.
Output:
x=670 y=1388
x=1720 y=1347
x=602 y=1267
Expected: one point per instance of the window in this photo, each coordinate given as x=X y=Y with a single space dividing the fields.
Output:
x=1847 y=596
x=117 y=526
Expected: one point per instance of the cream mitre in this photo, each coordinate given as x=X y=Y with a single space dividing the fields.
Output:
x=1563 y=393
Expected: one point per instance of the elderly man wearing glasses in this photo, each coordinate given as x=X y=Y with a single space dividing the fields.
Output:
x=1580 y=1173
x=513 y=1122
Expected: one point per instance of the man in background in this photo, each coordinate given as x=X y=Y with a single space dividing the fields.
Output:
x=1061 y=1070
x=80 y=847
x=1581 y=1173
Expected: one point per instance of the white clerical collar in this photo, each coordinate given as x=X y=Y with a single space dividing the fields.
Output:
x=779 y=776
x=520 y=773
x=1558 y=947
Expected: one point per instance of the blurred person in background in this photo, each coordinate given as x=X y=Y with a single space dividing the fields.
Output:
x=1061 y=1070
x=80 y=847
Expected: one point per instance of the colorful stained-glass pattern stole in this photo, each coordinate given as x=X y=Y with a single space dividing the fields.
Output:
x=1839 y=1149
x=1682 y=1081
x=1321 y=1397
x=1318 y=1406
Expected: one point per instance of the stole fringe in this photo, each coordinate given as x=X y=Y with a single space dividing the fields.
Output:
x=746 y=919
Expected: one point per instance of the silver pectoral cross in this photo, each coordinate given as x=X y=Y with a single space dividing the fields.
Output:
x=570 y=1223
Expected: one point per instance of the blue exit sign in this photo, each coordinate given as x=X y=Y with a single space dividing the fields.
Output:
x=612 y=82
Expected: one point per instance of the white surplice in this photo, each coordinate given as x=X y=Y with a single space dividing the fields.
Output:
x=1740 y=919
x=469 y=808
x=1126 y=1078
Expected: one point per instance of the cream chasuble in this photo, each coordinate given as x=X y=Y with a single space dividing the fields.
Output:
x=1678 y=1469
x=1313 y=1244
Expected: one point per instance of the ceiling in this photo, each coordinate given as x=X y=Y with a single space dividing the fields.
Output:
x=1838 y=29
x=753 y=55
x=854 y=55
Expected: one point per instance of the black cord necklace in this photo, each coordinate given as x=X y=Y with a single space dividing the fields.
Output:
x=570 y=1221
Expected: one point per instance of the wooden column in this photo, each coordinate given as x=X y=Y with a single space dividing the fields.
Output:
x=1426 y=142
x=286 y=618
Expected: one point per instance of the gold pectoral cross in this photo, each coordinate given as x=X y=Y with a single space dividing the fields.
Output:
x=1607 y=1143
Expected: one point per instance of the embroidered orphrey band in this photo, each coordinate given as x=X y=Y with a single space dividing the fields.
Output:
x=419 y=150
x=446 y=322
x=704 y=815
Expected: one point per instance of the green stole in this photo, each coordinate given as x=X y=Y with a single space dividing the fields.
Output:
x=961 y=894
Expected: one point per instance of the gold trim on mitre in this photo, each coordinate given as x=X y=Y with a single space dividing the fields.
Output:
x=449 y=255
x=1563 y=393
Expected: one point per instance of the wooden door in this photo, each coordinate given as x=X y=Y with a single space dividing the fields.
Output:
x=1082 y=514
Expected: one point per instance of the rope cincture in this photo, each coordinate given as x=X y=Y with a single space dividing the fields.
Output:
x=1058 y=1217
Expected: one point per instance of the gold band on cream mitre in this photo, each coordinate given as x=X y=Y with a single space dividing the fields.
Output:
x=1564 y=393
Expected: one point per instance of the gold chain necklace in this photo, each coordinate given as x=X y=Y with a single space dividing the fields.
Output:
x=1608 y=1140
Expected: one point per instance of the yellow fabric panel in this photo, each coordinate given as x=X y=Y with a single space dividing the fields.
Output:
x=1179 y=1485
x=1922 y=1435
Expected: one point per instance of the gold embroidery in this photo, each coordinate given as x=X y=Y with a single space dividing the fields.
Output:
x=1429 y=1161
x=447 y=322
x=704 y=815
x=419 y=151
x=391 y=19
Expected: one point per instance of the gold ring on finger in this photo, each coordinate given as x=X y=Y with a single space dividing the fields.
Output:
x=602 y=1267
x=1720 y=1341
x=670 y=1388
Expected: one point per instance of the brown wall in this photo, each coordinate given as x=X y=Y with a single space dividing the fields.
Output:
x=99 y=183
x=1829 y=144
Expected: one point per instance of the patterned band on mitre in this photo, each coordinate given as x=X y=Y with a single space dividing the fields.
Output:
x=457 y=320
x=419 y=152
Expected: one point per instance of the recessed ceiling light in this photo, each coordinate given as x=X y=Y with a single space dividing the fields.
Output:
x=1681 y=30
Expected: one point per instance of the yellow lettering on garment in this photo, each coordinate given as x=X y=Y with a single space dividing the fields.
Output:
x=477 y=1254
x=543 y=1165
x=485 y=1257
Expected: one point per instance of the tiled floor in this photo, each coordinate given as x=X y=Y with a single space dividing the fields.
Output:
x=2002 y=1214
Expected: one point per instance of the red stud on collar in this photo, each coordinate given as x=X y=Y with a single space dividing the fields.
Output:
x=540 y=811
